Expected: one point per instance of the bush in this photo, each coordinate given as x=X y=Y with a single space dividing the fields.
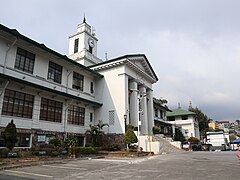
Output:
x=130 y=137
x=85 y=150
x=57 y=142
x=113 y=147
x=156 y=130
x=4 y=152
x=10 y=135
x=55 y=153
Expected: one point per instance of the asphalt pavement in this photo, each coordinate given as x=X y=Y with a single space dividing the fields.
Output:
x=180 y=165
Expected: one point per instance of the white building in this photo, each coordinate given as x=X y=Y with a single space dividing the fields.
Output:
x=47 y=93
x=186 y=120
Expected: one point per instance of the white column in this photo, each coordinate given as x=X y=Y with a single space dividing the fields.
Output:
x=134 y=104
x=150 y=111
x=36 y=112
x=144 y=113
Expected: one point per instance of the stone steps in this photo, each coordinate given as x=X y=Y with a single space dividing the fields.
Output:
x=165 y=145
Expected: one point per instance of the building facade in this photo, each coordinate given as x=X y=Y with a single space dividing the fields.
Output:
x=46 y=93
x=186 y=120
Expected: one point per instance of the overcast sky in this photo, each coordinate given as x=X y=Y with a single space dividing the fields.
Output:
x=193 y=45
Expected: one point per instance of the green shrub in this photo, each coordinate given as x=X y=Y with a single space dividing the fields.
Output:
x=10 y=135
x=113 y=147
x=57 y=142
x=130 y=137
x=85 y=150
x=55 y=153
x=156 y=130
x=4 y=152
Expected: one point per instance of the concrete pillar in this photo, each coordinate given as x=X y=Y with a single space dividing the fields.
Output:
x=150 y=111
x=36 y=112
x=134 y=104
x=144 y=113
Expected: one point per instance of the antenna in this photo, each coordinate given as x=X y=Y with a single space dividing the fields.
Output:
x=179 y=106
x=106 y=56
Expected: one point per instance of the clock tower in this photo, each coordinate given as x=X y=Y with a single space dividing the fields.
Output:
x=83 y=45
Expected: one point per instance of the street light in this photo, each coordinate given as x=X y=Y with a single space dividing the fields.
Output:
x=125 y=122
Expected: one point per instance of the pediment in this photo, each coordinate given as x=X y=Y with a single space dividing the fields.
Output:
x=137 y=62
x=142 y=62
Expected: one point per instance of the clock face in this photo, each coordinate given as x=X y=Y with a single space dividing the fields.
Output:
x=91 y=42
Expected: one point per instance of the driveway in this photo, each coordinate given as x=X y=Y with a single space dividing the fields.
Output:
x=183 y=165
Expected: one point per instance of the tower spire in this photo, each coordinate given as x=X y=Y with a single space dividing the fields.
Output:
x=84 y=18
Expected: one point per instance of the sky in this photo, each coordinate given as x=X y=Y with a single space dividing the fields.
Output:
x=192 y=45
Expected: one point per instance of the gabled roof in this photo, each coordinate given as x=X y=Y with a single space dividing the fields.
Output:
x=131 y=59
x=179 y=112
x=15 y=33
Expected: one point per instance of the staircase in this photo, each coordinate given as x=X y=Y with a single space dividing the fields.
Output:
x=165 y=145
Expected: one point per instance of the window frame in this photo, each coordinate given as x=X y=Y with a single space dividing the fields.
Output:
x=24 y=60
x=76 y=115
x=17 y=104
x=76 y=44
x=51 y=110
x=78 y=81
x=55 y=72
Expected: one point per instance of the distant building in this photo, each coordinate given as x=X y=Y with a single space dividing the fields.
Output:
x=186 y=120
x=224 y=125
x=212 y=125
x=160 y=118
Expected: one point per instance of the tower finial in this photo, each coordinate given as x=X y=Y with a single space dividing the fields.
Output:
x=179 y=106
x=84 y=19
x=190 y=104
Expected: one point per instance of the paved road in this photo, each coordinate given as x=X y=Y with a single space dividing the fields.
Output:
x=184 y=165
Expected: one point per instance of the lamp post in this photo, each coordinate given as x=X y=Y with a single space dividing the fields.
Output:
x=125 y=122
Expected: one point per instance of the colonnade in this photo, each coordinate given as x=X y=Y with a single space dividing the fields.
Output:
x=141 y=107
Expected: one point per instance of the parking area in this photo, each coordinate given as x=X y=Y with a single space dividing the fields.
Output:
x=183 y=165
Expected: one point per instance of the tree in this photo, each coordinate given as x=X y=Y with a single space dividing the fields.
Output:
x=179 y=135
x=130 y=137
x=96 y=131
x=10 y=135
x=70 y=143
x=203 y=120
x=193 y=140
x=160 y=101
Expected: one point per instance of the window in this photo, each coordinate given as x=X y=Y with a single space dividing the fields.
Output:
x=76 y=115
x=184 y=117
x=23 y=140
x=76 y=45
x=172 y=118
x=111 y=118
x=90 y=49
x=91 y=117
x=55 y=72
x=24 y=61
x=161 y=114
x=78 y=80
x=17 y=104
x=91 y=88
x=156 y=112
x=50 y=110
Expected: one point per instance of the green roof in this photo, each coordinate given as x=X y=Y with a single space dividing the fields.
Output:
x=179 y=112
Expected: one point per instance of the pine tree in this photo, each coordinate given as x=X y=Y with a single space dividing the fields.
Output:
x=10 y=135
